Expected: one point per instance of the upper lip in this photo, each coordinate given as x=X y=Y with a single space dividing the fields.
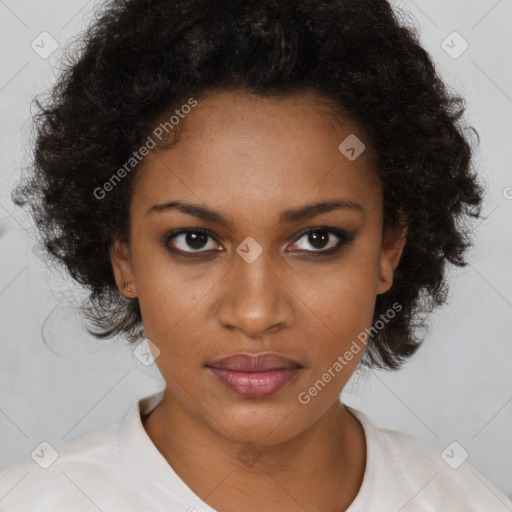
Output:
x=254 y=362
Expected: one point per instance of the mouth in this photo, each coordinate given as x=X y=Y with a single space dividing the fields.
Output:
x=254 y=376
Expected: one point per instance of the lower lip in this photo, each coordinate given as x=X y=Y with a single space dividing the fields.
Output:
x=255 y=384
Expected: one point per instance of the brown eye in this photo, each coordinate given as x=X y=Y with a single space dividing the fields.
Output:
x=192 y=241
x=318 y=239
x=322 y=240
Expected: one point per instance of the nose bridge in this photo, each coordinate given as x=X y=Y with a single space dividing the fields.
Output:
x=254 y=299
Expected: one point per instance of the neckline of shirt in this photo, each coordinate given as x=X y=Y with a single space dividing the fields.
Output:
x=145 y=462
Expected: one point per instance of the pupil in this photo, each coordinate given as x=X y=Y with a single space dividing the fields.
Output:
x=196 y=240
x=318 y=238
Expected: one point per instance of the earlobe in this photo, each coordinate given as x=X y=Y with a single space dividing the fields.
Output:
x=392 y=249
x=120 y=259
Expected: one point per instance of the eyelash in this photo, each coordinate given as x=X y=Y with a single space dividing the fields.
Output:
x=342 y=235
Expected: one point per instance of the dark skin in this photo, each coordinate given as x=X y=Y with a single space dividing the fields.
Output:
x=251 y=158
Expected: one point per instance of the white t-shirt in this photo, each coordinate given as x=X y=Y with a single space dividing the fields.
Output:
x=119 y=469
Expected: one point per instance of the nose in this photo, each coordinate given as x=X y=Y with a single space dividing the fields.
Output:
x=255 y=299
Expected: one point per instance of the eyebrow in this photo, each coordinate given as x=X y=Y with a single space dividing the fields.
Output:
x=288 y=216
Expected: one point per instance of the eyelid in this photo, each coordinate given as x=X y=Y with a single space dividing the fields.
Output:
x=175 y=233
x=343 y=236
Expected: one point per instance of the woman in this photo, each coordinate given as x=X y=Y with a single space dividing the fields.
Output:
x=268 y=191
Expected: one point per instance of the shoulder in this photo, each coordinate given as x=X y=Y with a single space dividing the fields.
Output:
x=406 y=469
x=64 y=476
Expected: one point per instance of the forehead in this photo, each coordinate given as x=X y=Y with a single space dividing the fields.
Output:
x=239 y=150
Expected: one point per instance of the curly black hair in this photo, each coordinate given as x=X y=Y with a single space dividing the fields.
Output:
x=142 y=58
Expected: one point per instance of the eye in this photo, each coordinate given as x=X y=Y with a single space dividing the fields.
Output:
x=323 y=240
x=195 y=239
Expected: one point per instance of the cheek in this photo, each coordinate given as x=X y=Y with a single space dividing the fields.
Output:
x=338 y=307
x=175 y=303
x=341 y=296
x=168 y=292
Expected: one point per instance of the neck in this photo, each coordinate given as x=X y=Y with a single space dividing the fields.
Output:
x=320 y=469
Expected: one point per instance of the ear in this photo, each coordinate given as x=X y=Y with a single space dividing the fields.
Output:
x=120 y=257
x=392 y=248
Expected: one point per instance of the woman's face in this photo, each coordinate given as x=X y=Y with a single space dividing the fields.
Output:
x=264 y=273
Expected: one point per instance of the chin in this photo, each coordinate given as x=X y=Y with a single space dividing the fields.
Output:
x=261 y=424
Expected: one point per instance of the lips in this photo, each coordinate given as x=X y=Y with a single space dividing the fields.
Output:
x=254 y=362
x=254 y=376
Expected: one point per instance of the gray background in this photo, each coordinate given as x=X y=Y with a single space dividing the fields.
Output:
x=457 y=388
